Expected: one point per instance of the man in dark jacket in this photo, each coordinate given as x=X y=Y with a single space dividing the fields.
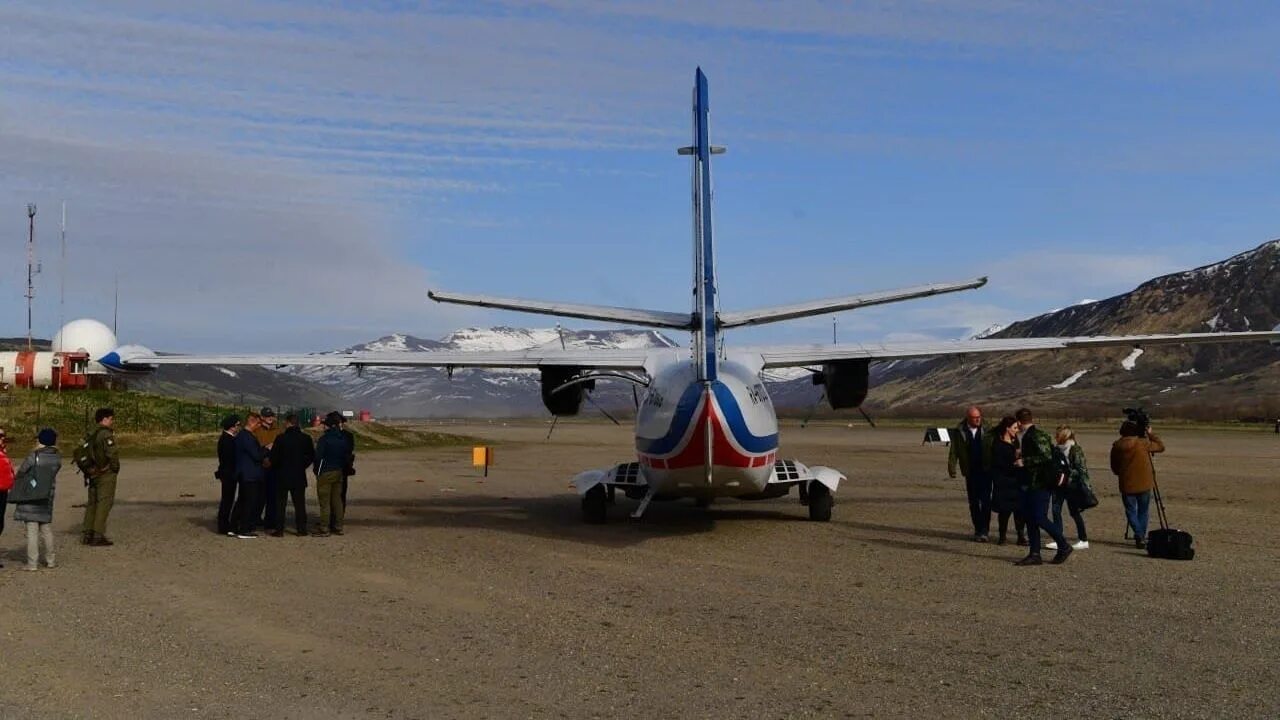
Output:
x=970 y=450
x=1039 y=478
x=250 y=473
x=266 y=435
x=291 y=455
x=331 y=460
x=226 y=472
x=350 y=469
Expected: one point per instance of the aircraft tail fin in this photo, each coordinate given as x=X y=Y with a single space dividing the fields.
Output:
x=704 y=268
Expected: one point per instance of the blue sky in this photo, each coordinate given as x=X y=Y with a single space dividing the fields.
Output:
x=294 y=176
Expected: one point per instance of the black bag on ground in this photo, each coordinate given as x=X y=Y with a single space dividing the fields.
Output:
x=1168 y=543
x=1171 y=544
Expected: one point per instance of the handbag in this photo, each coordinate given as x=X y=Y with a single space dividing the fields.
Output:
x=1081 y=495
x=29 y=487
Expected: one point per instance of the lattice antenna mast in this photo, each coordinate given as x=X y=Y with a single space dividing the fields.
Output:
x=62 y=275
x=31 y=261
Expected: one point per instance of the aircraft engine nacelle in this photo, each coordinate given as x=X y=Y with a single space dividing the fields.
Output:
x=847 y=382
x=568 y=400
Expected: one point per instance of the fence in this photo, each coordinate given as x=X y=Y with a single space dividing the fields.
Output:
x=24 y=411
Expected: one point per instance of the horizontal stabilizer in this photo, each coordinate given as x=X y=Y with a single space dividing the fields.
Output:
x=849 y=302
x=628 y=316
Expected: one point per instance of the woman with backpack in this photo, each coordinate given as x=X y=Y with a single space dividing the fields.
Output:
x=1074 y=489
x=42 y=465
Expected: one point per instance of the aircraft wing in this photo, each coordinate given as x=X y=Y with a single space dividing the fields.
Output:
x=601 y=359
x=798 y=355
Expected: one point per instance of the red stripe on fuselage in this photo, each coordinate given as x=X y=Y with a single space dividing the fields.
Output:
x=723 y=453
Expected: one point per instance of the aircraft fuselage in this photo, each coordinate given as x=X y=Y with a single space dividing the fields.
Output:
x=706 y=437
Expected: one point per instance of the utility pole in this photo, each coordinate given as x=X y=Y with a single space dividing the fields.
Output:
x=833 y=330
x=31 y=259
x=62 y=275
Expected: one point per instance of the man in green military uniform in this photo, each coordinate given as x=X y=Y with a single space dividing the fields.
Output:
x=102 y=479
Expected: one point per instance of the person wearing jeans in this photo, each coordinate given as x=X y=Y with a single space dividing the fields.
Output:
x=1131 y=462
x=1039 y=477
x=1137 y=510
x=1070 y=455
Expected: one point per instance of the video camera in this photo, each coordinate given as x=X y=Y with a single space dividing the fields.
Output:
x=1138 y=417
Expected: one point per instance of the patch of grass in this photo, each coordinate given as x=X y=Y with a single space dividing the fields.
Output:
x=157 y=426
x=370 y=437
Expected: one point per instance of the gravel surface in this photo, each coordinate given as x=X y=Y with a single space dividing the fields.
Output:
x=457 y=596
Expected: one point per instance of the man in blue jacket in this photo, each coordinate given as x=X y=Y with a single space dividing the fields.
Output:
x=249 y=476
x=332 y=452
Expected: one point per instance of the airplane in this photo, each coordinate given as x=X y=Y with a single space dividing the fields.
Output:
x=705 y=426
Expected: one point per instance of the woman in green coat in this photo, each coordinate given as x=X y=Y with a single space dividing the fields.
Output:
x=1071 y=456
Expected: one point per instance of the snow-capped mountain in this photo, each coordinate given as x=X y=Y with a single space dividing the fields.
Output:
x=1236 y=380
x=429 y=392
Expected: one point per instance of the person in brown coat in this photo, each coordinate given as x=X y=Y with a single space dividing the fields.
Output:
x=1131 y=462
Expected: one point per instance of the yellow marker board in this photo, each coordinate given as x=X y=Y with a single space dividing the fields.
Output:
x=482 y=457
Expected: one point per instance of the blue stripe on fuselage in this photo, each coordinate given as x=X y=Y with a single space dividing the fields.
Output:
x=738 y=425
x=686 y=407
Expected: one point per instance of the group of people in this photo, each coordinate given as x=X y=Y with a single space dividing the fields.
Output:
x=1017 y=470
x=266 y=466
x=36 y=480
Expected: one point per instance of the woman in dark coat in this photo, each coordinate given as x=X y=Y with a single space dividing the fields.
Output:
x=291 y=454
x=44 y=463
x=1004 y=479
x=226 y=472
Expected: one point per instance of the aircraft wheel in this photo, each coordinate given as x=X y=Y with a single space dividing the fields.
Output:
x=820 y=502
x=595 y=505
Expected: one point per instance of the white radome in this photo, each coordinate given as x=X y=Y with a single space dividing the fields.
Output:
x=86 y=335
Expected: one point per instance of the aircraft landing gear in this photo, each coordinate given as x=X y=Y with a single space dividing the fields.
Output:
x=644 y=504
x=595 y=505
x=820 y=501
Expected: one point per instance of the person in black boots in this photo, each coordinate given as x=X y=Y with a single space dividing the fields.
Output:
x=970 y=450
x=1004 y=479
x=291 y=455
x=1038 y=479
x=226 y=472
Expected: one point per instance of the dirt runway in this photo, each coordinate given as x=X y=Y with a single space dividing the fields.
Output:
x=457 y=596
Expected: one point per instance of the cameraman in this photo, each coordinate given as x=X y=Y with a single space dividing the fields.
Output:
x=1131 y=462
